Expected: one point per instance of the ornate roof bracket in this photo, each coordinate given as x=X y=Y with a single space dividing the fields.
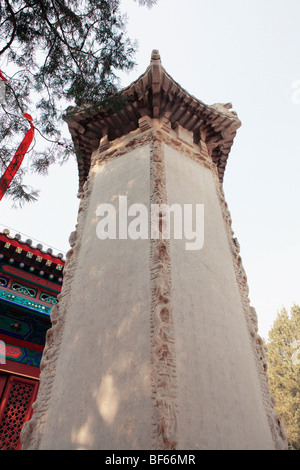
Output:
x=156 y=72
x=154 y=94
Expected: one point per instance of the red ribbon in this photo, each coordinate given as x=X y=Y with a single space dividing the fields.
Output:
x=2 y=76
x=16 y=162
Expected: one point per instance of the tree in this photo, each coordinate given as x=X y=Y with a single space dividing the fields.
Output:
x=283 y=356
x=54 y=53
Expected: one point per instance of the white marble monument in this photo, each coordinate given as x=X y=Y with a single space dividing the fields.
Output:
x=154 y=344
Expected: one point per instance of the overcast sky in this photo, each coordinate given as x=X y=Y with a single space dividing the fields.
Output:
x=246 y=53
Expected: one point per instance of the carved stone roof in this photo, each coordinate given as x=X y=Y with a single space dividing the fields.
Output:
x=154 y=94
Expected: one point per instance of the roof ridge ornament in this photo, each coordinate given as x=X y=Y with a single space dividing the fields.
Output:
x=156 y=67
x=155 y=56
x=224 y=108
x=157 y=95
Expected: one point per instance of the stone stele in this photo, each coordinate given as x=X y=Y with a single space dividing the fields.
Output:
x=153 y=346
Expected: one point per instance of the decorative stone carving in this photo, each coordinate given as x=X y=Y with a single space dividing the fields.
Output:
x=167 y=116
x=276 y=426
x=163 y=359
x=32 y=431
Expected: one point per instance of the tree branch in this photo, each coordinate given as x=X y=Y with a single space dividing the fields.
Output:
x=14 y=22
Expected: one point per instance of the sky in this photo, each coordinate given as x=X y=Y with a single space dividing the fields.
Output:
x=243 y=52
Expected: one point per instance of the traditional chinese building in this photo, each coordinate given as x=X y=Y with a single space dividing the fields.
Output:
x=153 y=346
x=30 y=280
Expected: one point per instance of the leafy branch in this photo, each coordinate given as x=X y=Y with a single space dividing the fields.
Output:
x=56 y=53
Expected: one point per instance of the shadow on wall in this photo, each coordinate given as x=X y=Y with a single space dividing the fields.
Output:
x=103 y=370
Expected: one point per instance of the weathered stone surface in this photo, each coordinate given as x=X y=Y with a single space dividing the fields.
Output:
x=154 y=346
x=155 y=94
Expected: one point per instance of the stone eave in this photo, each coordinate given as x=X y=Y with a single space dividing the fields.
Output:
x=154 y=94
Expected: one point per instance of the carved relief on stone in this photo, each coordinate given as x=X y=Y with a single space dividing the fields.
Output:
x=163 y=361
x=32 y=432
x=163 y=356
x=276 y=426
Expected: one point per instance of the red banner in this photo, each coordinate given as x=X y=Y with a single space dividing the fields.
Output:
x=16 y=162
x=2 y=76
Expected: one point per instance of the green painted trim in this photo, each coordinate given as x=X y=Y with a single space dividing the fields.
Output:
x=22 y=355
x=28 y=303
